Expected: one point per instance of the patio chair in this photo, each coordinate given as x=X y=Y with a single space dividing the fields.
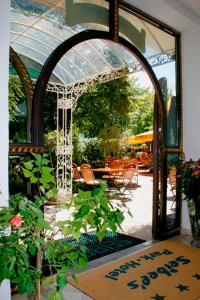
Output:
x=85 y=166
x=135 y=176
x=76 y=175
x=172 y=182
x=114 y=164
x=88 y=176
x=126 y=182
x=146 y=162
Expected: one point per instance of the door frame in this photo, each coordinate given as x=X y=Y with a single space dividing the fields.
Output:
x=48 y=68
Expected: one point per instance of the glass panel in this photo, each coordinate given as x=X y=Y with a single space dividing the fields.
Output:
x=64 y=75
x=47 y=38
x=13 y=36
x=89 y=13
x=31 y=53
x=17 y=28
x=171 y=191
x=30 y=6
x=172 y=121
x=93 y=56
x=158 y=47
x=132 y=29
x=36 y=45
x=81 y=62
x=54 y=29
x=167 y=78
x=17 y=111
x=110 y=52
x=22 y=18
x=58 y=15
x=32 y=66
x=149 y=39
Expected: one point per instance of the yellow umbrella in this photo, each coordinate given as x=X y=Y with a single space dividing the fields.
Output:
x=140 y=138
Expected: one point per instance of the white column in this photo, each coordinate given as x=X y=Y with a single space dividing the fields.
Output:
x=4 y=64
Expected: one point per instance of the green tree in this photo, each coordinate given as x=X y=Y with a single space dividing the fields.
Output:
x=114 y=109
x=102 y=107
x=141 y=113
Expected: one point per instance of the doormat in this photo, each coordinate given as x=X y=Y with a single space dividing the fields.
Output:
x=165 y=271
x=112 y=242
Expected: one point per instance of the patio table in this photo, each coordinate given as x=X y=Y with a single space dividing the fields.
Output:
x=108 y=170
x=112 y=174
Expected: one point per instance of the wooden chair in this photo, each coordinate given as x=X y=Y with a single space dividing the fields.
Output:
x=76 y=175
x=146 y=162
x=85 y=166
x=88 y=176
x=114 y=164
x=126 y=181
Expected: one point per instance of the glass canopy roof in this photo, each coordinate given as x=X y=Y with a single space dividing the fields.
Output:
x=37 y=27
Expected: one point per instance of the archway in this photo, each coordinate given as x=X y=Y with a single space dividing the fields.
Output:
x=160 y=168
x=65 y=47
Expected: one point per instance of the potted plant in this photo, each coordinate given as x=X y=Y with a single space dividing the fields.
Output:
x=189 y=184
x=27 y=239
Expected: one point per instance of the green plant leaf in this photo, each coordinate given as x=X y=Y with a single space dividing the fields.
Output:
x=74 y=278
x=96 y=192
x=33 y=179
x=67 y=231
x=35 y=210
x=46 y=281
x=100 y=234
x=42 y=189
x=76 y=235
x=32 y=249
x=45 y=161
x=61 y=281
x=30 y=287
x=51 y=295
x=27 y=173
x=24 y=256
x=52 y=193
x=28 y=165
x=37 y=157
x=83 y=211
x=104 y=203
x=43 y=224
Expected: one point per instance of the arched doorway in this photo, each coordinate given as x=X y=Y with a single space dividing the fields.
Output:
x=160 y=230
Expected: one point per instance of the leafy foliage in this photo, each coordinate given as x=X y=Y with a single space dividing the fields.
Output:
x=103 y=106
x=112 y=110
x=50 y=112
x=78 y=152
x=189 y=179
x=141 y=113
x=24 y=245
x=92 y=210
x=17 y=111
x=189 y=184
x=92 y=151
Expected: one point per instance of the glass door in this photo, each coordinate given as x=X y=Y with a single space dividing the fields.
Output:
x=166 y=197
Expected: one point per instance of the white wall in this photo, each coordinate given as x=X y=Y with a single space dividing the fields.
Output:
x=191 y=92
x=4 y=59
x=191 y=100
